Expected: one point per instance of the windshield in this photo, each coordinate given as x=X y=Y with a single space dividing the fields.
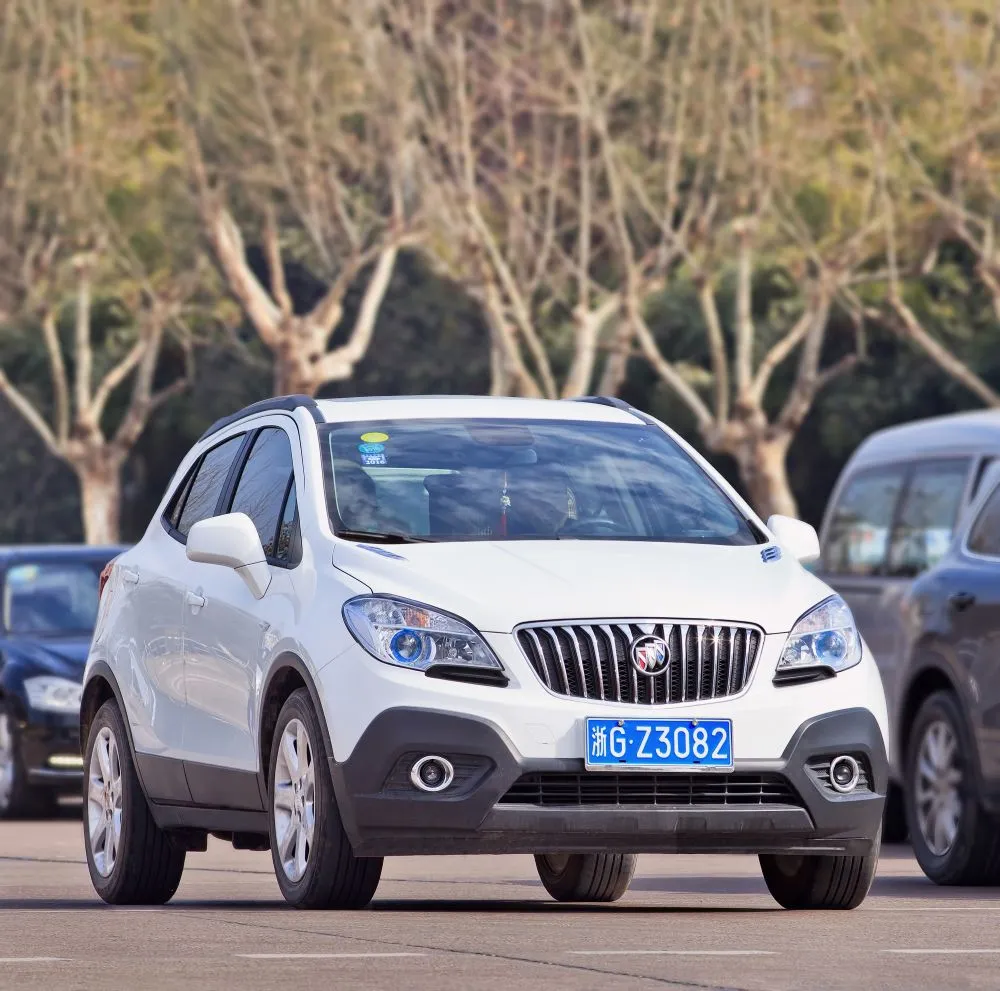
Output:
x=54 y=598
x=520 y=480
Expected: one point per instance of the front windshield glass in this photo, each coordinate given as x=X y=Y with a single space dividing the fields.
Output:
x=480 y=479
x=51 y=598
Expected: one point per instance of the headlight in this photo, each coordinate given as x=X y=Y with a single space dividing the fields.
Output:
x=825 y=637
x=412 y=636
x=50 y=694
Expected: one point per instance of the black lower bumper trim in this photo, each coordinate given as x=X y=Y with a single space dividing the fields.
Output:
x=384 y=817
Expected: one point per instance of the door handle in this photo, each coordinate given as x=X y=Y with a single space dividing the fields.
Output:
x=194 y=600
x=130 y=576
x=961 y=600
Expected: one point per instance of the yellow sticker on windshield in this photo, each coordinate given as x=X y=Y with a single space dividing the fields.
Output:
x=375 y=437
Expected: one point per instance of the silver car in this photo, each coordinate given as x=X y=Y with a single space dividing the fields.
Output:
x=892 y=516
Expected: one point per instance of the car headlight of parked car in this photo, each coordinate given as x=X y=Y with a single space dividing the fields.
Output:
x=826 y=637
x=413 y=636
x=48 y=693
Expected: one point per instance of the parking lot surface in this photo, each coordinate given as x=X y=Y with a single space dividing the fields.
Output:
x=471 y=922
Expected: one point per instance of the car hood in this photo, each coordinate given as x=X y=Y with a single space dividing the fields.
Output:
x=63 y=656
x=498 y=585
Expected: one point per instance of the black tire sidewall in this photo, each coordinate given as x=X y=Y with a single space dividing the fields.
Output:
x=298 y=706
x=944 y=706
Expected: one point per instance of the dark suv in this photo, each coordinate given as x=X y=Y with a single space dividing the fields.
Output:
x=947 y=723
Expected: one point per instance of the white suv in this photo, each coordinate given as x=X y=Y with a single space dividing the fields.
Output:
x=369 y=627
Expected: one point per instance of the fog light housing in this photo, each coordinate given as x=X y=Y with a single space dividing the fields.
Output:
x=432 y=773
x=844 y=774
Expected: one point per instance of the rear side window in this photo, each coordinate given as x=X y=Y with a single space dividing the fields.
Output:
x=984 y=538
x=204 y=490
x=927 y=514
x=263 y=489
x=858 y=536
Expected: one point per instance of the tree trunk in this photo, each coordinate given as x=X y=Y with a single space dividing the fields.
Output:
x=616 y=365
x=100 y=495
x=764 y=472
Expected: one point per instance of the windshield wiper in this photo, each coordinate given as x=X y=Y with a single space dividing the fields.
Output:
x=375 y=537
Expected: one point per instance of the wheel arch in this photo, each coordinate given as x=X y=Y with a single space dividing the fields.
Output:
x=287 y=674
x=102 y=686
x=930 y=677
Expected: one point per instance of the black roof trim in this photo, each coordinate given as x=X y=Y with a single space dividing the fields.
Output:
x=287 y=403
x=616 y=402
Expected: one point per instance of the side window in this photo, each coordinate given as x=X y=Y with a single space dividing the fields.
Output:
x=204 y=491
x=927 y=515
x=984 y=537
x=859 y=529
x=289 y=549
x=263 y=485
x=173 y=513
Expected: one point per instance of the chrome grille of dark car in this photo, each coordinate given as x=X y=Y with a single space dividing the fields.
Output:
x=558 y=788
x=592 y=661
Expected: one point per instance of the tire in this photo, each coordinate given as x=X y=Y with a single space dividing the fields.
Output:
x=315 y=867
x=586 y=877
x=18 y=798
x=145 y=865
x=894 y=827
x=819 y=882
x=972 y=857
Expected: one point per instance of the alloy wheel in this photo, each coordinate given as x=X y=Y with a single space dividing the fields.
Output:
x=6 y=761
x=294 y=802
x=936 y=792
x=104 y=802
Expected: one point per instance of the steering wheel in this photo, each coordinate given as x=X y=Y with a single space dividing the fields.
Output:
x=590 y=524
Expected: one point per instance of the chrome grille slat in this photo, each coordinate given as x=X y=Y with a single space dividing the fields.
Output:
x=609 y=633
x=684 y=661
x=596 y=658
x=585 y=660
x=559 y=655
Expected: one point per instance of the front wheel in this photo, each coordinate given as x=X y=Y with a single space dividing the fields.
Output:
x=586 y=877
x=132 y=861
x=819 y=882
x=313 y=860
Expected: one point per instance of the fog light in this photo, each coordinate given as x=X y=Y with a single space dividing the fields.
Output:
x=844 y=774
x=432 y=773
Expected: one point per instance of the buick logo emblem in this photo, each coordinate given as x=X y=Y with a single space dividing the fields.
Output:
x=650 y=655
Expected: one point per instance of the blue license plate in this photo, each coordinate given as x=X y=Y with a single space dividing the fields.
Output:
x=659 y=743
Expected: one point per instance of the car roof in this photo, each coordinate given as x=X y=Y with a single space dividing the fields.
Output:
x=51 y=552
x=471 y=407
x=954 y=434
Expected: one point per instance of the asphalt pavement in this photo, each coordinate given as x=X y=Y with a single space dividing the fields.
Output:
x=463 y=923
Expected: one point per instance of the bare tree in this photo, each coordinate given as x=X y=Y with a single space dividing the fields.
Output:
x=299 y=130
x=937 y=152
x=82 y=188
x=517 y=209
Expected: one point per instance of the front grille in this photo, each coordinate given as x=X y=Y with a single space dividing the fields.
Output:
x=593 y=661
x=556 y=788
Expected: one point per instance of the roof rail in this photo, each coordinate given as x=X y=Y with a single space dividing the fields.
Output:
x=616 y=402
x=287 y=403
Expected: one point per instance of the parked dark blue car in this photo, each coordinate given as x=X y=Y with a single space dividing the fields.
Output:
x=48 y=607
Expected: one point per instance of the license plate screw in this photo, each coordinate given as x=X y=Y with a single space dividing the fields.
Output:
x=621 y=722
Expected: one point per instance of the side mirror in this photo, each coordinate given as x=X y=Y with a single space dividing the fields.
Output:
x=231 y=541
x=798 y=538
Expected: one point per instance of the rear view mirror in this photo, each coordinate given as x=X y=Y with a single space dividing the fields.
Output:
x=796 y=537
x=232 y=542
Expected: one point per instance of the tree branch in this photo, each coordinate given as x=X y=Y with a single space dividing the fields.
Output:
x=60 y=382
x=275 y=264
x=34 y=419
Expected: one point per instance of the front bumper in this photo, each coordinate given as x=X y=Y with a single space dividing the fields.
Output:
x=50 y=748
x=384 y=814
